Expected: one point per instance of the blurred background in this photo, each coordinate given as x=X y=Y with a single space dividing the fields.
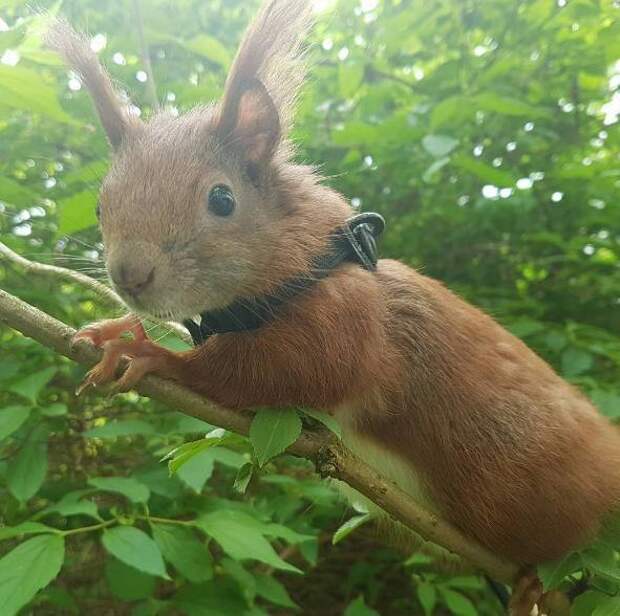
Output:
x=485 y=131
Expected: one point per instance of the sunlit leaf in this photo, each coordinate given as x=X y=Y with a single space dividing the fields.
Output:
x=349 y=526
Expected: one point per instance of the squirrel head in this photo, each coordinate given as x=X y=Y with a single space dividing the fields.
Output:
x=194 y=206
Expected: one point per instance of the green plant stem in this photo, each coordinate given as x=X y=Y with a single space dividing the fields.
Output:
x=87 y=529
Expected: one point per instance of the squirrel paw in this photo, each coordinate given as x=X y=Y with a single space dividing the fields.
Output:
x=143 y=357
x=526 y=594
x=111 y=329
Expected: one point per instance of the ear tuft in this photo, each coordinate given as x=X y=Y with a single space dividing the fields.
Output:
x=76 y=52
x=266 y=74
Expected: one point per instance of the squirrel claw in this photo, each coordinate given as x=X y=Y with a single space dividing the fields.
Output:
x=112 y=329
x=143 y=356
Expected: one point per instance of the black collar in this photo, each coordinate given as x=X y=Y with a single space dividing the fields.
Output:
x=355 y=242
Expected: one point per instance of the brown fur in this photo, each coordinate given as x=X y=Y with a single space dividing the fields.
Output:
x=506 y=450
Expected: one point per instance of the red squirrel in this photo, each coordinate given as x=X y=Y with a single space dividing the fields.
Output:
x=208 y=210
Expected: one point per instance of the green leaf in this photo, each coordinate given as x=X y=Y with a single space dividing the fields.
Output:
x=451 y=110
x=90 y=173
x=244 y=578
x=310 y=551
x=576 y=361
x=269 y=588
x=359 y=608
x=197 y=470
x=607 y=401
x=136 y=549
x=273 y=529
x=8 y=368
x=506 y=106
x=439 y=146
x=181 y=455
x=601 y=560
x=483 y=171
x=241 y=538
x=523 y=328
x=243 y=478
x=350 y=77
x=125 y=427
x=272 y=431
x=26 y=472
x=585 y=604
x=27 y=569
x=610 y=606
x=77 y=212
x=23 y=89
x=55 y=409
x=326 y=419
x=16 y=193
x=552 y=573
x=31 y=385
x=126 y=582
x=457 y=603
x=427 y=596
x=25 y=528
x=11 y=418
x=213 y=598
x=127 y=486
x=349 y=526
x=185 y=551
x=355 y=133
x=432 y=169
x=72 y=504
x=210 y=48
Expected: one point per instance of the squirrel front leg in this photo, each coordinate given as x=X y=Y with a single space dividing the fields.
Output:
x=325 y=349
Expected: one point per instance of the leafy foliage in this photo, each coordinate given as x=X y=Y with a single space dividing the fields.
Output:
x=485 y=132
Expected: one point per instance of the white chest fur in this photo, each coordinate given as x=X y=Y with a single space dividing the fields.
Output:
x=387 y=464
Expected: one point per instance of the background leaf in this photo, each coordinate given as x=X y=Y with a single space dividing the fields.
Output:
x=28 y=568
x=26 y=472
x=136 y=549
x=182 y=548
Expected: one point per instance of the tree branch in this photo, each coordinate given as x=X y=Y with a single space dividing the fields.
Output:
x=330 y=458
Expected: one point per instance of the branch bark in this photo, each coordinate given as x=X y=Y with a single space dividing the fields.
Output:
x=330 y=458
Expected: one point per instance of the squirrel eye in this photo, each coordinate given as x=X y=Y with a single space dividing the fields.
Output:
x=98 y=211
x=221 y=200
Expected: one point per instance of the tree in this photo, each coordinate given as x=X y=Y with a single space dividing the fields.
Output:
x=485 y=132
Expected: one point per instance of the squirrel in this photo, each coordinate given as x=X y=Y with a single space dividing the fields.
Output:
x=207 y=213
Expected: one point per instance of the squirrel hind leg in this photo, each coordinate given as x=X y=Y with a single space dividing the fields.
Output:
x=526 y=595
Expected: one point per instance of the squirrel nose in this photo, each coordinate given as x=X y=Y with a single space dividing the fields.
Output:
x=132 y=279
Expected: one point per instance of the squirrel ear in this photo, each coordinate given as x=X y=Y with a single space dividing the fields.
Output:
x=251 y=124
x=75 y=49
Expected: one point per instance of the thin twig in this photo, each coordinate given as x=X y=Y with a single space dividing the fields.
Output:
x=330 y=458
x=151 y=87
